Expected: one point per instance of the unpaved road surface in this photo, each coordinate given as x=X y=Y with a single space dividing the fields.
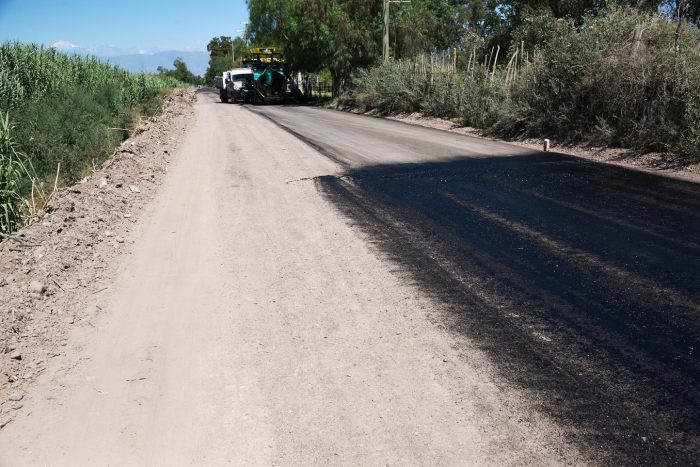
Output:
x=252 y=324
x=355 y=291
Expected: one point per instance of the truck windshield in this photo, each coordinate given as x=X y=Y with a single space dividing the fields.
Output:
x=240 y=77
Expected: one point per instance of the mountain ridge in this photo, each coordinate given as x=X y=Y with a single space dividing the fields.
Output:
x=139 y=60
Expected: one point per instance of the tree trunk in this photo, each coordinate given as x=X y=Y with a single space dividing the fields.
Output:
x=338 y=82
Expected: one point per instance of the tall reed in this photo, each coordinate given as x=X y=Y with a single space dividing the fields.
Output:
x=65 y=111
x=12 y=174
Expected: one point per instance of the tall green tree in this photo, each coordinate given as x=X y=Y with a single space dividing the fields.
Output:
x=341 y=35
x=424 y=25
x=224 y=53
x=338 y=35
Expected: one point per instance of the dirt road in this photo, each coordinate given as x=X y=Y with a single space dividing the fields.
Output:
x=252 y=324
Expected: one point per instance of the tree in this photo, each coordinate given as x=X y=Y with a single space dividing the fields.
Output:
x=224 y=53
x=220 y=50
x=424 y=25
x=341 y=35
x=338 y=35
x=180 y=72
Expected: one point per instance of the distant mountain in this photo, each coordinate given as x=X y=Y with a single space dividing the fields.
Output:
x=139 y=60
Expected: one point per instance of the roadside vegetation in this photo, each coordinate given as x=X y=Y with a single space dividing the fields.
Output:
x=61 y=116
x=181 y=73
x=339 y=36
x=625 y=74
x=225 y=53
x=620 y=78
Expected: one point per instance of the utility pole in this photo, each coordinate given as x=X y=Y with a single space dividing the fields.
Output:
x=385 y=40
x=233 y=50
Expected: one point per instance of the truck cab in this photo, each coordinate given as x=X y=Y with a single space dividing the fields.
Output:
x=235 y=85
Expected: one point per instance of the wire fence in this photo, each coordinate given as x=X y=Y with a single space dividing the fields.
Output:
x=316 y=86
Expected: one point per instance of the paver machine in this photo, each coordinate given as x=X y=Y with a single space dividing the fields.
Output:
x=269 y=75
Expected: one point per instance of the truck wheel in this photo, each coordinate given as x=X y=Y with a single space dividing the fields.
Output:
x=223 y=97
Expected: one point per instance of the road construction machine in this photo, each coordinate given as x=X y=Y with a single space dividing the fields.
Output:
x=262 y=79
x=270 y=81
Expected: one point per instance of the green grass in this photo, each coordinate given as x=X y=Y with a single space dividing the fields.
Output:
x=67 y=110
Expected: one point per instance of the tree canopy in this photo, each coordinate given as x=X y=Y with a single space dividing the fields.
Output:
x=224 y=53
x=180 y=72
x=341 y=35
x=338 y=35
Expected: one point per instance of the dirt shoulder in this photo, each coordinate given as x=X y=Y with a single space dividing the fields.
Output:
x=658 y=163
x=51 y=268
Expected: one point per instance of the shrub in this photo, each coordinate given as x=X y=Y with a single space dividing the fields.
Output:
x=618 y=80
x=415 y=86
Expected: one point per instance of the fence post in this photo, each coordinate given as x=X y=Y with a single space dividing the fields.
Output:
x=495 y=60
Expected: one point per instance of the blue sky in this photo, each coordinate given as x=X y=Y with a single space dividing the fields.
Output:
x=125 y=25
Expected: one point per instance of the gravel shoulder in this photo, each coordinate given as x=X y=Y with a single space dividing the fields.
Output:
x=52 y=268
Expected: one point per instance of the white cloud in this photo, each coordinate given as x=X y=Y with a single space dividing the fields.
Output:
x=64 y=45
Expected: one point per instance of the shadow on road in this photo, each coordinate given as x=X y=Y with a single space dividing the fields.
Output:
x=581 y=280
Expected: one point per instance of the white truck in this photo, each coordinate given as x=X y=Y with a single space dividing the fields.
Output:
x=236 y=85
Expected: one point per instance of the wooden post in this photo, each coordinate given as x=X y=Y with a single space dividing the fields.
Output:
x=385 y=38
x=509 y=68
x=495 y=60
x=636 y=39
x=487 y=62
x=432 y=69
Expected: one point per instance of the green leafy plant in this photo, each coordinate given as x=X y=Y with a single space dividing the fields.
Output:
x=13 y=172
